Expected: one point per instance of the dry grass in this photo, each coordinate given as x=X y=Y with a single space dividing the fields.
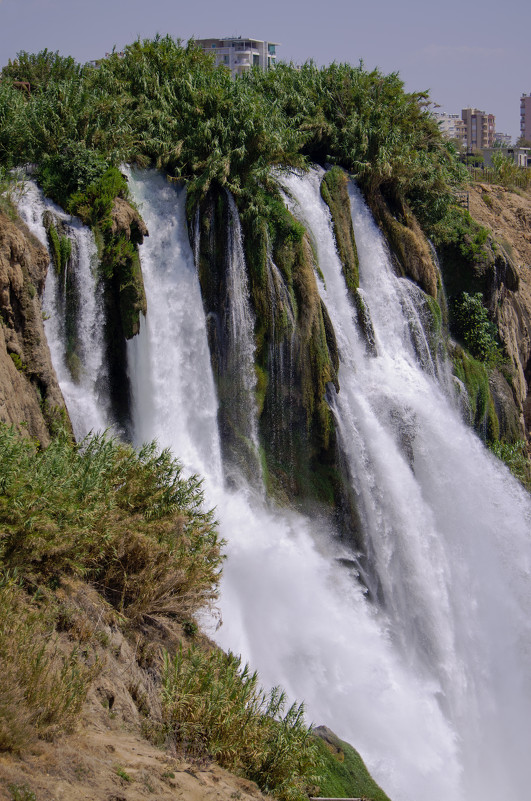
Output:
x=43 y=687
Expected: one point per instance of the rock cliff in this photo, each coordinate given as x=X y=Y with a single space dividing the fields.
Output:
x=508 y=215
x=30 y=398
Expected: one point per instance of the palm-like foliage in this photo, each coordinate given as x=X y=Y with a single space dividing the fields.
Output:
x=169 y=105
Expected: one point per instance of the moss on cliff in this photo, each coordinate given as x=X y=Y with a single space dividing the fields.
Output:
x=295 y=350
x=344 y=773
x=475 y=378
x=406 y=240
x=334 y=192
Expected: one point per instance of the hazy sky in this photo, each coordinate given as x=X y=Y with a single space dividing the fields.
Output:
x=466 y=53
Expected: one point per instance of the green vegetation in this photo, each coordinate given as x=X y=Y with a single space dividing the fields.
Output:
x=21 y=792
x=99 y=510
x=515 y=456
x=168 y=105
x=213 y=706
x=473 y=327
x=344 y=773
x=475 y=377
x=457 y=229
x=509 y=174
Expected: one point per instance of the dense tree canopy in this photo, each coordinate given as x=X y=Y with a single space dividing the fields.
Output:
x=167 y=104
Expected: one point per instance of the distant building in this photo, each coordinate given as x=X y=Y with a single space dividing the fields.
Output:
x=520 y=155
x=480 y=128
x=239 y=54
x=451 y=126
x=525 y=116
x=502 y=139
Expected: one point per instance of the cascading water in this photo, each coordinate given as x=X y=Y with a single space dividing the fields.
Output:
x=83 y=382
x=431 y=686
x=288 y=606
x=447 y=528
x=281 y=360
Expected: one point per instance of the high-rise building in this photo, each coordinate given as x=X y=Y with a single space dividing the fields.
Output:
x=451 y=126
x=525 y=116
x=239 y=54
x=480 y=128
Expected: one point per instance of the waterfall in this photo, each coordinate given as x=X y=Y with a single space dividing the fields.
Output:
x=287 y=604
x=76 y=344
x=174 y=399
x=281 y=362
x=239 y=354
x=430 y=683
x=447 y=527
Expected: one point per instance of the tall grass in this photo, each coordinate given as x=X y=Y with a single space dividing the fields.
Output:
x=42 y=688
x=129 y=522
x=214 y=706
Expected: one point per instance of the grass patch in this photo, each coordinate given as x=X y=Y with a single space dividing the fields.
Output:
x=213 y=706
x=344 y=772
x=42 y=688
x=514 y=455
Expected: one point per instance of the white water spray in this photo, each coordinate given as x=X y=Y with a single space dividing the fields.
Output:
x=447 y=528
x=287 y=606
x=86 y=396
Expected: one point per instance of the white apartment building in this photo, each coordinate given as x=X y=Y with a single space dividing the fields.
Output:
x=451 y=126
x=240 y=54
x=502 y=139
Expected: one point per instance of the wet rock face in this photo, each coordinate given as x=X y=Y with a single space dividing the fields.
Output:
x=30 y=397
x=407 y=242
x=126 y=220
x=508 y=215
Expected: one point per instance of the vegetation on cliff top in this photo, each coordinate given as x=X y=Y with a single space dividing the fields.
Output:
x=166 y=104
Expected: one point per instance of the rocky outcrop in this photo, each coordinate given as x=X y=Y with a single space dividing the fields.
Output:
x=128 y=225
x=409 y=247
x=126 y=220
x=334 y=191
x=30 y=397
x=508 y=294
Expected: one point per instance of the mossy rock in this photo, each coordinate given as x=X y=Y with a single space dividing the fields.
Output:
x=475 y=377
x=132 y=297
x=344 y=772
x=334 y=191
x=408 y=244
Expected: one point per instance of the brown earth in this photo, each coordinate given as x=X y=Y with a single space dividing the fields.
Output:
x=106 y=758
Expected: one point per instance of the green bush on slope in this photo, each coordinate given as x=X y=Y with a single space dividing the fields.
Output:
x=212 y=705
x=130 y=522
x=344 y=774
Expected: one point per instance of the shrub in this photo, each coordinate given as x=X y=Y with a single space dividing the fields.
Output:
x=211 y=705
x=514 y=454
x=72 y=170
x=473 y=327
x=129 y=521
x=457 y=228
